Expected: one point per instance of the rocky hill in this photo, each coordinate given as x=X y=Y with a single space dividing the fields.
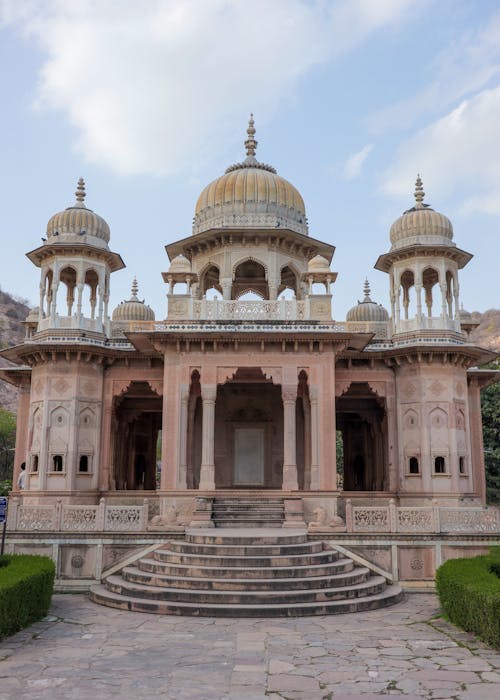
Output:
x=12 y=312
x=487 y=334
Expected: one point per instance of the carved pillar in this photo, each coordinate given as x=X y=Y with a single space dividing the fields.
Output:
x=313 y=396
x=79 y=287
x=170 y=424
x=443 y=300
x=418 y=290
x=183 y=429
x=226 y=284
x=207 y=470
x=476 y=440
x=23 y=410
x=53 y=307
x=290 y=480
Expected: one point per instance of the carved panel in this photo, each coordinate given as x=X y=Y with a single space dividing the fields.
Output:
x=123 y=518
x=79 y=518
x=415 y=519
x=371 y=519
x=60 y=386
x=468 y=520
x=436 y=387
x=36 y=518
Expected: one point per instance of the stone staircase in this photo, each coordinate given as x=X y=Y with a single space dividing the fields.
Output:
x=244 y=574
x=248 y=512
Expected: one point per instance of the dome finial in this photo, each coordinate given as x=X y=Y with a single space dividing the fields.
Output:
x=419 y=191
x=251 y=143
x=135 y=289
x=366 y=290
x=80 y=193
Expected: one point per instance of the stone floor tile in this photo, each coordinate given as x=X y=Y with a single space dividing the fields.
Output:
x=83 y=652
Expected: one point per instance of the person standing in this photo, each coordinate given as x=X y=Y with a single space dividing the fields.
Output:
x=21 y=479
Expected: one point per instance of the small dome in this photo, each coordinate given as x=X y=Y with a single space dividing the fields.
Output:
x=367 y=311
x=77 y=221
x=133 y=309
x=464 y=314
x=318 y=264
x=421 y=224
x=180 y=264
x=250 y=195
x=33 y=315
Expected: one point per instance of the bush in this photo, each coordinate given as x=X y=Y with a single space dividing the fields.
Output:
x=469 y=592
x=26 y=584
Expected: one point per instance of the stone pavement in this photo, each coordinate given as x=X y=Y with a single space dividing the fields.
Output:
x=84 y=651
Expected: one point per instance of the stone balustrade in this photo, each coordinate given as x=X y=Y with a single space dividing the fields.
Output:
x=421 y=519
x=60 y=517
x=390 y=518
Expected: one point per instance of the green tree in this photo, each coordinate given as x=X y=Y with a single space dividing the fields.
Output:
x=7 y=443
x=490 y=405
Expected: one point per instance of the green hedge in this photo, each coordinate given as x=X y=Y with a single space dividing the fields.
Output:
x=26 y=584
x=469 y=591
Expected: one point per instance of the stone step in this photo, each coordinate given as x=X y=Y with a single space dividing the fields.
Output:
x=337 y=566
x=249 y=501
x=323 y=557
x=246 y=550
x=389 y=596
x=134 y=574
x=246 y=538
x=245 y=522
x=371 y=586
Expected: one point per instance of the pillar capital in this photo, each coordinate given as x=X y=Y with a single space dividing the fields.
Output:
x=289 y=393
x=208 y=392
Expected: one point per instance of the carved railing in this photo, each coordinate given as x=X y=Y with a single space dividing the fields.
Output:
x=421 y=519
x=223 y=310
x=77 y=518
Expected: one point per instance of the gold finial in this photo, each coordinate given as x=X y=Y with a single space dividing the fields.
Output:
x=251 y=143
x=419 y=191
x=366 y=290
x=80 y=192
x=135 y=289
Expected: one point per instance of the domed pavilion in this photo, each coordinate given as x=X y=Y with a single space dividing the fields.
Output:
x=243 y=401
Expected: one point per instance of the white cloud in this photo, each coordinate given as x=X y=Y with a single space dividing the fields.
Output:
x=456 y=154
x=467 y=65
x=150 y=86
x=354 y=164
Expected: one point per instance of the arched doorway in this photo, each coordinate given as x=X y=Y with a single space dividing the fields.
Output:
x=362 y=420
x=249 y=432
x=137 y=423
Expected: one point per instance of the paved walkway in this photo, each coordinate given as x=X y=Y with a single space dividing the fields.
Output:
x=85 y=651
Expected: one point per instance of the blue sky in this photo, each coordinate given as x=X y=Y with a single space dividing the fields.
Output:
x=149 y=101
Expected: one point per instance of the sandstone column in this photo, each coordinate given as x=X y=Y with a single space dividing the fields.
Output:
x=183 y=430
x=290 y=480
x=313 y=396
x=207 y=470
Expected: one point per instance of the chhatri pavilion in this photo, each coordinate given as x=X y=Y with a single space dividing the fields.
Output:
x=367 y=431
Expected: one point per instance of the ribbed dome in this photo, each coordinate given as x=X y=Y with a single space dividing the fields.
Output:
x=421 y=224
x=77 y=221
x=250 y=195
x=367 y=311
x=180 y=264
x=133 y=309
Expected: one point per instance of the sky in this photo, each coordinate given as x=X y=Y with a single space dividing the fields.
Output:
x=149 y=102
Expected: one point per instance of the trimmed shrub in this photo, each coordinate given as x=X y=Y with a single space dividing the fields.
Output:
x=469 y=592
x=26 y=584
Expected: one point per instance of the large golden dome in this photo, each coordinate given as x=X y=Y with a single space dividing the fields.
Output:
x=250 y=195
